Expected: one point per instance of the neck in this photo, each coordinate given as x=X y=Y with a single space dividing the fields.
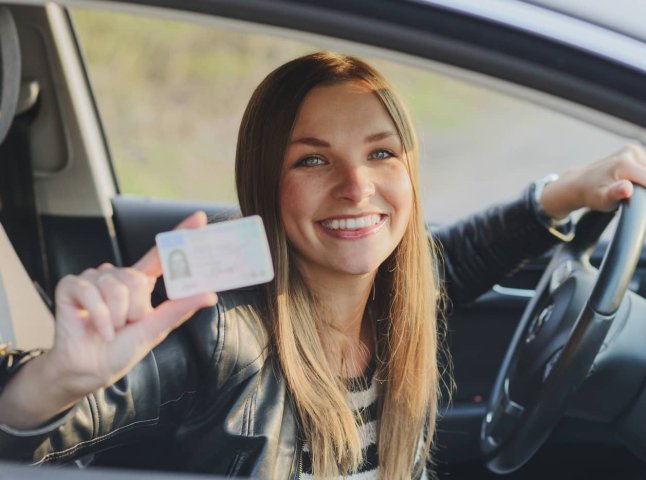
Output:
x=344 y=299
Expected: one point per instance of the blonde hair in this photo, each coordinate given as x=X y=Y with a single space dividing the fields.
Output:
x=406 y=285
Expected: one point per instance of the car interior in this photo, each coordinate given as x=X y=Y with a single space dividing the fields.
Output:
x=62 y=211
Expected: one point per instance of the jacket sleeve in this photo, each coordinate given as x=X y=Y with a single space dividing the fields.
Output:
x=480 y=250
x=151 y=397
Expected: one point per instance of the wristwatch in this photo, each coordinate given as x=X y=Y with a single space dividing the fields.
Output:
x=563 y=229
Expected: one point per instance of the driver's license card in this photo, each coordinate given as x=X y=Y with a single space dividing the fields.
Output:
x=221 y=256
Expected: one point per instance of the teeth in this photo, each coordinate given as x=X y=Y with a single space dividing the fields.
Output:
x=351 y=223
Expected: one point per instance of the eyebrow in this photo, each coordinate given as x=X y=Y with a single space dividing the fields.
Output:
x=317 y=142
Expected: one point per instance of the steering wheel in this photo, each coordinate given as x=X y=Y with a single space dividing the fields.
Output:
x=559 y=335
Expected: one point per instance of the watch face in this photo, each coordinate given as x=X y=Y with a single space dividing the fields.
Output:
x=539 y=186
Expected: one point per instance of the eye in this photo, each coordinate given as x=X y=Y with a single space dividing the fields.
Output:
x=381 y=154
x=310 y=161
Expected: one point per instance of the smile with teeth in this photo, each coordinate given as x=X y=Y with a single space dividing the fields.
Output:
x=351 y=223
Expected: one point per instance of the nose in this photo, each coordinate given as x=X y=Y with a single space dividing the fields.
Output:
x=356 y=183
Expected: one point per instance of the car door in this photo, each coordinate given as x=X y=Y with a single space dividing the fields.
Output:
x=108 y=186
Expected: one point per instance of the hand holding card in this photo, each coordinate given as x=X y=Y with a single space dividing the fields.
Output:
x=105 y=324
x=221 y=256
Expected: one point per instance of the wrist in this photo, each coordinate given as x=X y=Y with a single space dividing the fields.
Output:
x=52 y=385
x=549 y=209
x=34 y=395
x=64 y=385
x=560 y=197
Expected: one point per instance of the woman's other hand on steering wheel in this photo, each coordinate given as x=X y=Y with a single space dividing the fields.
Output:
x=599 y=185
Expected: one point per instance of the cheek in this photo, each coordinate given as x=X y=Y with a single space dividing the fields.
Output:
x=296 y=203
x=399 y=193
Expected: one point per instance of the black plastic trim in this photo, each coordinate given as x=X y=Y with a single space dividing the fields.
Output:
x=138 y=219
x=76 y=243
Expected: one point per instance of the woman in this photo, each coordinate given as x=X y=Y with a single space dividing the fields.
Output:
x=331 y=368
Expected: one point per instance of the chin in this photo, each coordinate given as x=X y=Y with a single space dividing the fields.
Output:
x=359 y=268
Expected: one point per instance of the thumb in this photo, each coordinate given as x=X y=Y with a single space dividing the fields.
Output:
x=620 y=190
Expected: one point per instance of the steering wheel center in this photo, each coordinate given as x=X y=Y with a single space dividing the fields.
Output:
x=537 y=323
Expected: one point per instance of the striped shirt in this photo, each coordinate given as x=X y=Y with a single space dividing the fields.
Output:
x=362 y=392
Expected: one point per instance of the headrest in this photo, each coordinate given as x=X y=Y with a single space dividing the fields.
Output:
x=9 y=70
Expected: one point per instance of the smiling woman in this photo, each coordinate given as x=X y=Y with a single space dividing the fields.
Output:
x=340 y=148
x=331 y=369
x=351 y=304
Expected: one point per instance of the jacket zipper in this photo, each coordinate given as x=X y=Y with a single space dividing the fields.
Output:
x=300 y=461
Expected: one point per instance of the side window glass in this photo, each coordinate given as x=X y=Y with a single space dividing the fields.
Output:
x=171 y=95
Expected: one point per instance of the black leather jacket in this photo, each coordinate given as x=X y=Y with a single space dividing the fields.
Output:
x=211 y=398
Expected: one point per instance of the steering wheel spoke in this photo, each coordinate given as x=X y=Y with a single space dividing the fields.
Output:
x=503 y=419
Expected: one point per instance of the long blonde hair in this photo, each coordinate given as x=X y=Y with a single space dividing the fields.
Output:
x=404 y=311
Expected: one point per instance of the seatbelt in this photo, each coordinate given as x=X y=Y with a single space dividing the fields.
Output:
x=9 y=70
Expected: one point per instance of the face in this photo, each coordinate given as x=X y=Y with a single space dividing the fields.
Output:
x=178 y=264
x=345 y=195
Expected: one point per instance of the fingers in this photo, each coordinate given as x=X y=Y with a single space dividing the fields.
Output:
x=169 y=315
x=602 y=184
x=626 y=167
x=83 y=298
x=124 y=293
x=150 y=263
x=127 y=293
x=116 y=297
x=630 y=164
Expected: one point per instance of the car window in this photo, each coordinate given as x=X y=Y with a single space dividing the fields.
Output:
x=171 y=94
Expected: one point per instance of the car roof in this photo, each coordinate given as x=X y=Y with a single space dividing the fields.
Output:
x=609 y=30
x=623 y=16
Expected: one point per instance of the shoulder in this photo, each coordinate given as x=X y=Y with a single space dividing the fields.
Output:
x=231 y=338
